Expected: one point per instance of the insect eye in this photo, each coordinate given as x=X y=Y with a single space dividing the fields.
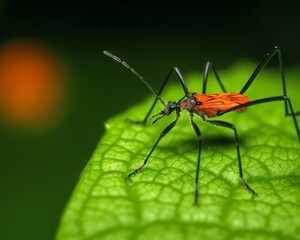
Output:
x=198 y=103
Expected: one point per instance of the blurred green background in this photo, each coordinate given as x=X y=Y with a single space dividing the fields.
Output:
x=73 y=88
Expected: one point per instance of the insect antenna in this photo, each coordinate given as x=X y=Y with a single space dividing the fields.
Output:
x=152 y=89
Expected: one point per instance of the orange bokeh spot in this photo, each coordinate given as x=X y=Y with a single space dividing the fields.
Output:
x=31 y=88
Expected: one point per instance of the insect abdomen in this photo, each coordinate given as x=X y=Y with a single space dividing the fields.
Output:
x=211 y=104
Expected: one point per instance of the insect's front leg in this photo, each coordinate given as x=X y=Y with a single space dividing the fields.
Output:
x=163 y=133
x=158 y=94
x=147 y=115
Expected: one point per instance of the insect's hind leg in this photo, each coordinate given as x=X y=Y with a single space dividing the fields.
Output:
x=184 y=87
x=209 y=66
x=231 y=126
x=263 y=62
x=265 y=100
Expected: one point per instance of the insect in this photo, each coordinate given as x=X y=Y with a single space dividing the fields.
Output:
x=208 y=106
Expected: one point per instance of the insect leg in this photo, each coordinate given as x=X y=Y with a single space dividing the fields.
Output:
x=231 y=126
x=265 y=100
x=198 y=133
x=207 y=68
x=263 y=62
x=163 y=133
x=152 y=89
x=184 y=87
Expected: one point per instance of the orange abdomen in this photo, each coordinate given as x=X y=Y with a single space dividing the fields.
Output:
x=211 y=104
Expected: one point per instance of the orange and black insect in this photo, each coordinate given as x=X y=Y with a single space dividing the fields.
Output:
x=208 y=106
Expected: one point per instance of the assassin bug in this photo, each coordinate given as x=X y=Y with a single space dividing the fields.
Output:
x=208 y=106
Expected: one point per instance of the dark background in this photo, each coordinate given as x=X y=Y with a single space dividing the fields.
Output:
x=39 y=169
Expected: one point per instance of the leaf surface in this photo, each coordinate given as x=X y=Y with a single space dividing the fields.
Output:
x=157 y=203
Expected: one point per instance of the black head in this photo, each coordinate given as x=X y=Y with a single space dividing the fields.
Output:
x=168 y=109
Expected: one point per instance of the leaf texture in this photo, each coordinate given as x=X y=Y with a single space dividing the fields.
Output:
x=157 y=203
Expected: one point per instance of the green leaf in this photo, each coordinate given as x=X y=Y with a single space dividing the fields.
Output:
x=158 y=202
